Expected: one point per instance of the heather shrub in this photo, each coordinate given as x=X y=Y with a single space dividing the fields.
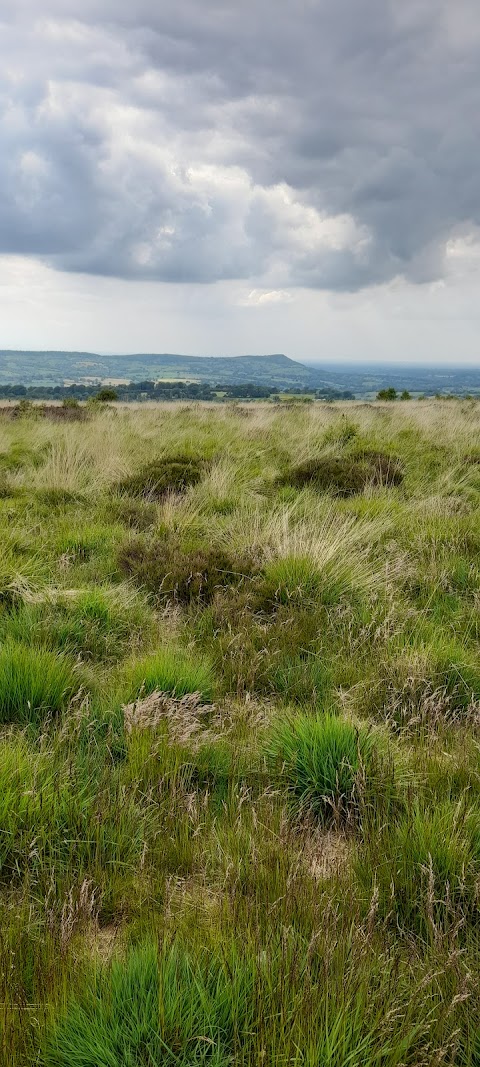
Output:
x=339 y=475
x=6 y=489
x=170 y=570
x=138 y=514
x=161 y=476
x=384 y=469
x=345 y=475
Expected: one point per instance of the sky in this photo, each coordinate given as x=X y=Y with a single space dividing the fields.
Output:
x=218 y=177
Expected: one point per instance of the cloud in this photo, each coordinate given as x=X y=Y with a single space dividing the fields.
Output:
x=322 y=144
x=267 y=298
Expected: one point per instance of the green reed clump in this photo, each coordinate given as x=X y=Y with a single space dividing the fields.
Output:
x=424 y=869
x=97 y=624
x=171 y=669
x=321 y=759
x=34 y=683
x=69 y=821
x=152 y=1007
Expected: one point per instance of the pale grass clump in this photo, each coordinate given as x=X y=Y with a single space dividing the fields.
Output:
x=70 y=465
x=224 y=486
x=184 y=717
x=22 y=573
x=339 y=547
x=83 y=460
x=181 y=513
x=454 y=424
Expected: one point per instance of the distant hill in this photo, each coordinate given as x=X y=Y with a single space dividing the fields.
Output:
x=57 y=368
x=50 y=369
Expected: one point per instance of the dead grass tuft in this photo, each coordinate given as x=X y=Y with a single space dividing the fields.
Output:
x=185 y=717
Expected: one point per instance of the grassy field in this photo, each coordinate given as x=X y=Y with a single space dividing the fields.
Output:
x=240 y=725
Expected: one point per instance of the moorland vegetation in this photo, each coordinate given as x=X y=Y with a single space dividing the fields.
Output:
x=240 y=736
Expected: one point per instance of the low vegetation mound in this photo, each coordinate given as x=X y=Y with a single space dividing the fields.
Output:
x=171 y=474
x=345 y=475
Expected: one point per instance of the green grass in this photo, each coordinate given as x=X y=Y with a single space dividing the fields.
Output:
x=427 y=869
x=96 y=624
x=278 y=860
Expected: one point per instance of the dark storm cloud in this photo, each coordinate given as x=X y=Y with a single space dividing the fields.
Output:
x=323 y=143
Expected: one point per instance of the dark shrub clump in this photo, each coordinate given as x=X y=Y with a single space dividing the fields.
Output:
x=345 y=475
x=383 y=469
x=137 y=514
x=171 y=571
x=155 y=479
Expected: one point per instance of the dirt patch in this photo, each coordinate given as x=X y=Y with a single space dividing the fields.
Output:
x=327 y=854
x=102 y=942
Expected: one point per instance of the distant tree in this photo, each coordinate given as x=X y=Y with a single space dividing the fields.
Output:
x=387 y=394
x=405 y=395
x=70 y=402
x=105 y=396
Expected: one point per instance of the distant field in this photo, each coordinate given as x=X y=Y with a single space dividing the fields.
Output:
x=240 y=735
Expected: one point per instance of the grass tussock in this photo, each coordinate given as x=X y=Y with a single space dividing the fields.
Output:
x=34 y=684
x=181 y=1010
x=172 y=670
x=326 y=763
x=240 y=735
